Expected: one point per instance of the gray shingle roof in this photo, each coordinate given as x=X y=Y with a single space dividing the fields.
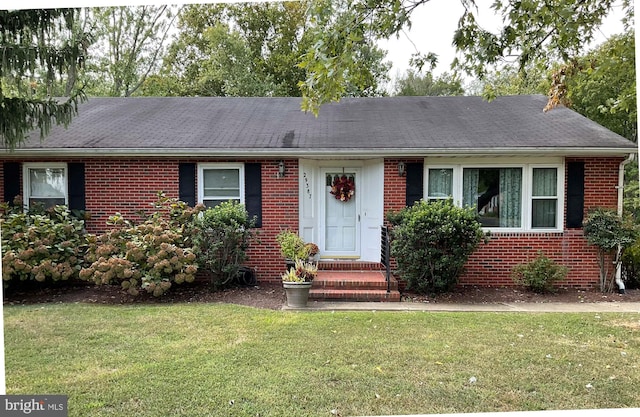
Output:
x=182 y=125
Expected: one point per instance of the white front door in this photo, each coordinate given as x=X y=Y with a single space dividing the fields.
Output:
x=341 y=214
x=342 y=229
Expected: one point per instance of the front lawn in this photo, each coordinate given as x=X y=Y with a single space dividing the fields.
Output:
x=226 y=360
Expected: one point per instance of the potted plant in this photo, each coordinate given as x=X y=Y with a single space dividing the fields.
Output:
x=292 y=247
x=297 y=282
x=312 y=251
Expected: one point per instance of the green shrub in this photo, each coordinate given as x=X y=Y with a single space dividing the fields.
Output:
x=608 y=232
x=41 y=245
x=431 y=242
x=221 y=238
x=151 y=256
x=540 y=274
x=631 y=265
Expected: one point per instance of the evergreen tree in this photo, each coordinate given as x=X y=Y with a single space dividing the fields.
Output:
x=37 y=46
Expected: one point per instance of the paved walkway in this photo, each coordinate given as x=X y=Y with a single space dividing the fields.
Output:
x=604 y=307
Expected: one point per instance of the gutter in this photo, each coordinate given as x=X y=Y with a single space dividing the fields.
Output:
x=620 y=188
x=319 y=153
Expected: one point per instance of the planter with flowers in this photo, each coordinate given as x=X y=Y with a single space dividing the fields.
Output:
x=297 y=282
x=313 y=252
x=292 y=247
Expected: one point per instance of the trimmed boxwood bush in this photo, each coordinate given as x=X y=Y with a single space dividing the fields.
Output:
x=431 y=242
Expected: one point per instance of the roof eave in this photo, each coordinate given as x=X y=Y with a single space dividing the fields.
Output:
x=323 y=153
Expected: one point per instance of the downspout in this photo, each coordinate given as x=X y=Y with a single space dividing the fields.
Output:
x=620 y=188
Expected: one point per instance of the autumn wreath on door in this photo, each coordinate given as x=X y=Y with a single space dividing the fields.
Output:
x=343 y=187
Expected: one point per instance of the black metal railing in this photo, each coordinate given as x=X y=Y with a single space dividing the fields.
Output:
x=385 y=255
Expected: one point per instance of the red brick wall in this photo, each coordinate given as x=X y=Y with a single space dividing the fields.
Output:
x=491 y=264
x=130 y=185
x=279 y=212
x=126 y=186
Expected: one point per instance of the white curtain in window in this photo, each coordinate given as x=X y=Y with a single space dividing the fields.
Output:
x=46 y=183
x=222 y=183
x=544 y=210
x=440 y=183
x=544 y=182
x=510 y=197
x=471 y=176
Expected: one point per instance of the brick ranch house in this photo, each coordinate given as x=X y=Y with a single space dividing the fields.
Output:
x=534 y=175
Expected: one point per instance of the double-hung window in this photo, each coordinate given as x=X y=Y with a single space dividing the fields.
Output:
x=544 y=198
x=524 y=196
x=440 y=183
x=219 y=182
x=45 y=184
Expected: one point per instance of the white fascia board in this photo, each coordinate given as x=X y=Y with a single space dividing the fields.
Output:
x=326 y=153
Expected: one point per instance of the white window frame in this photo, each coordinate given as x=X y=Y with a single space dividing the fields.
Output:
x=527 y=180
x=453 y=181
x=559 y=197
x=220 y=165
x=26 y=179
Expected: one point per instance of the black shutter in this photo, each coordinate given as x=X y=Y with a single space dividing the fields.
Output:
x=76 y=186
x=575 y=194
x=415 y=182
x=253 y=191
x=11 y=181
x=187 y=183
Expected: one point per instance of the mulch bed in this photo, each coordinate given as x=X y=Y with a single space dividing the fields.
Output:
x=271 y=296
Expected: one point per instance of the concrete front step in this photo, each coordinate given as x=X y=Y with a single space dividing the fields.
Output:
x=353 y=286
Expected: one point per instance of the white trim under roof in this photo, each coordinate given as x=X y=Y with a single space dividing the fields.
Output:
x=320 y=153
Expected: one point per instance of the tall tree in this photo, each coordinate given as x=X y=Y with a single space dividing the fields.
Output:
x=531 y=31
x=130 y=44
x=603 y=88
x=413 y=83
x=509 y=80
x=36 y=44
x=248 y=49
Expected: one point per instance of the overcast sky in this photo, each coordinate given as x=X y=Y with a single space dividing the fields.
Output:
x=435 y=22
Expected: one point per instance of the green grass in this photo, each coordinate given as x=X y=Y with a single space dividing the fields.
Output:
x=225 y=360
